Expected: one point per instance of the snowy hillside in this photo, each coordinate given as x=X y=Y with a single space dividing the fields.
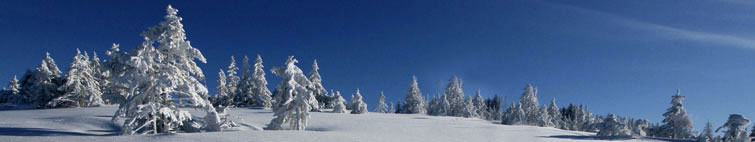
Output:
x=93 y=124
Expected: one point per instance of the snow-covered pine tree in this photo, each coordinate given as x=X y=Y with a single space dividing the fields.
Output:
x=480 y=106
x=455 y=97
x=338 y=102
x=707 y=134
x=638 y=127
x=381 y=107
x=259 y=83
x=542 y=117
x=495 y=108
x=677 y=124
x=413 y=102
x=15 y=90
x=555 y=114
x=357 y=104
x=392 y=109
x=160 y=68
x=321 y=95
x=613 y=127
x=81 y=87
x=40 y=85
x=292 y=104
x=244 y=93
x=469 y=110
x=529 y=104
x=223 y=97
x=736 y=131
x=233 y=81
x=100 y=75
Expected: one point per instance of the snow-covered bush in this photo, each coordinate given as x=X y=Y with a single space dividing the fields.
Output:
x=292 y=97
x=613 y=127
x=154 y=75
x=414 y=102
x=81 y=87
x=357 y=104
x=339 y=107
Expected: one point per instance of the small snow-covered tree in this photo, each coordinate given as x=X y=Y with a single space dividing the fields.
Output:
x=555 y=114
x=434 y=108
x=613 y=127
x=707 y=134
x=12 y=92
x=292 y=104
x=223 y=97
x=259 y=83
x=392 y=109
x=676 y=122
x=455 y=97
x=469 y=110
x=638 y=127
x=81 y=87
x=339 y=106
x=151 y=77
x=381 y=107
x=414 y=102
x=480 y=106
x=514 y=115
x=542 y=117
x=736 y=131
x=321 y=95
x=357 y=104
x=529 y=104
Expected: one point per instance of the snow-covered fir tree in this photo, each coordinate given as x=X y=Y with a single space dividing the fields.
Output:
x=495 y=108
x=392 y=109
x=12 y=93
x=321 y=95
x=381 y=107
x=469 y=110
x=555 y=114
x=514 y=115
x=160 y=68
x=677 y=124
x=480 y=106
x=529 y=105
x=259 y=83
x=338 y=101
x=736 y=131
x=438 y=106
x=40 y=85
x=100 y=74
x=357 y=104
x=233 y=81
x=613 y=127
x=292 y=98
x=413 y=102
x=707 y=134
x=223 y=97
x=542 y=117
x=81 y=87
x=638 y=127
x=455 y=97
x=244 y=93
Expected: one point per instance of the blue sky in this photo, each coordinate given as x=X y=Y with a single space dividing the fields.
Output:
x=622 y=57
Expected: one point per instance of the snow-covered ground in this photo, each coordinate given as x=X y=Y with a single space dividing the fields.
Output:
x=93 y=124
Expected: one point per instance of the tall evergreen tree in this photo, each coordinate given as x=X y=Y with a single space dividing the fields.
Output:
x=159 y=69
x=321 y=95
x=259 y=83
x=555 y=114
x=529 y=104
x=414 y=102
x=40 y=85
x=480 y=106
x=223 y=97
x=81 y=87
x=244 y=92
x=233 y=81
x=676 y=122
x=455 y=97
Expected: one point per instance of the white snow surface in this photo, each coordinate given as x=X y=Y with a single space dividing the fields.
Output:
x=93 y=124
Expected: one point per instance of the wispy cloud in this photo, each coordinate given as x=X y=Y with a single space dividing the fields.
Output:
x=669 y=31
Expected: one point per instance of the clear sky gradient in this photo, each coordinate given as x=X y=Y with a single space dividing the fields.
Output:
x=616 y=56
